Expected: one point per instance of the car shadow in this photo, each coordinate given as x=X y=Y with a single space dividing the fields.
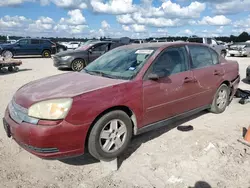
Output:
x=65 y=69
x=201 y=184
x=136 y=142
x=29 y=57
x=6 y=72
x=80 y=160
x=244 y=80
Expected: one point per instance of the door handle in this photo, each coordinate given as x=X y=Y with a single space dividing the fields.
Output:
x=218 y=73
x=189 y=79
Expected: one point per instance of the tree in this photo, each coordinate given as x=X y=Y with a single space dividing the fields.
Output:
x=243 y=37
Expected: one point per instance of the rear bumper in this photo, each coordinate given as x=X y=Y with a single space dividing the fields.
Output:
x=49 y=142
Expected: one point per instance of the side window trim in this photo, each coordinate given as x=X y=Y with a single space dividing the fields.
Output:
x=145 y=76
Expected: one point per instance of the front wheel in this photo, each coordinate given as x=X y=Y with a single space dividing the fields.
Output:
x=7 y=54
x=110 y=135
x=221 y=99
x=78 y=65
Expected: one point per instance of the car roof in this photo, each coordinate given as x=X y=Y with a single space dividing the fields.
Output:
x=160 y=45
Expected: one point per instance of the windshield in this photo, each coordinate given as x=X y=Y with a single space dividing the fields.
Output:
x=84 y=47
x=120 y=63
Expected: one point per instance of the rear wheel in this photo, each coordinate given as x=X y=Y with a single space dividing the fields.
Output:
x=110 y=135
x=78 y=65
x=221 y=99
x=46 y=54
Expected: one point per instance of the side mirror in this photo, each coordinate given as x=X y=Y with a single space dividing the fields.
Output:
x=158 y=75
x=153 y=76
x=90 y=51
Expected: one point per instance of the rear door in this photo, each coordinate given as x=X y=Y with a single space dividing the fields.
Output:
x=35 y=47
x=208 y=72
x=172 y=94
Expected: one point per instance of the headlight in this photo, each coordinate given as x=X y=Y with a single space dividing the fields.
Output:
x=51 y=109
x=65 y=57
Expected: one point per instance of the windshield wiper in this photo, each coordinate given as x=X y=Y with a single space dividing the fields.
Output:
x=100 y=73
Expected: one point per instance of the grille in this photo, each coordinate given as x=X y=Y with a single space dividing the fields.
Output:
x=20 y=114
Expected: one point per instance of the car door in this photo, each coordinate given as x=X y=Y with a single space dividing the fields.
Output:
x=173 y=93
x=22 y=47
x=207 y=70
x=97 y=50
x=35 y=47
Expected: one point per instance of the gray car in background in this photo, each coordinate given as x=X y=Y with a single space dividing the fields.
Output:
x=79 y=58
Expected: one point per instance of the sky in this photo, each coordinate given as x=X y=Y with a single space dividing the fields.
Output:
x=119 y=18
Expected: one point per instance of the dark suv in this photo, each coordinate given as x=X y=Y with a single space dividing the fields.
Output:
x=28 y=46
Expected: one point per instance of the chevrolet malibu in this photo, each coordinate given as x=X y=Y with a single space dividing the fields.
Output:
x=127 y=91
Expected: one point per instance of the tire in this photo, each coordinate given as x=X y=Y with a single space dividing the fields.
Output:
x=7 y=54
x=78 y=65
x=107 y=147
x=46 y=54
x=215 y=107
x=10 y=69
x=232 y=55
x=223 y=54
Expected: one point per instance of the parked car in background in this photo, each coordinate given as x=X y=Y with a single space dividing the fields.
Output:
x=138 y=41
x=153 y=41
x=11 y=41
x=77 y=59
x=220 y=49
x=61 y=47
x=29 y=46
x=125 y=92
x=239 y=49
x=73 y=45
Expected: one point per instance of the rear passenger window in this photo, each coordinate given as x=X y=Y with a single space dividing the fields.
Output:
x=201 y=57
x=215 y=56
x=33 y=41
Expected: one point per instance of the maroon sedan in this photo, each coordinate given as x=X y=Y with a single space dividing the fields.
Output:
x=125 y=92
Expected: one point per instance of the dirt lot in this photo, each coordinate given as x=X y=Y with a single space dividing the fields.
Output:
x=162 y=158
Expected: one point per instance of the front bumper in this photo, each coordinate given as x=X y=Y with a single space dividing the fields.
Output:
x=238 y=52
x=48 y=141
x=60 y=63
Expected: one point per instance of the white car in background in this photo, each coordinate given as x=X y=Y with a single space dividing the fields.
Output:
x=239 y=49
x=73 y=45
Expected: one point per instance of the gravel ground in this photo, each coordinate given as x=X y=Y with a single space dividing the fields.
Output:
x=161 y=158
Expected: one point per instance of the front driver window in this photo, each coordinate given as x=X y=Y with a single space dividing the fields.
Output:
x=172 y=61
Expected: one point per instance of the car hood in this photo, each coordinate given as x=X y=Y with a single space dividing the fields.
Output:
x=61 y=86
x=6 y=45
x=70 y=52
